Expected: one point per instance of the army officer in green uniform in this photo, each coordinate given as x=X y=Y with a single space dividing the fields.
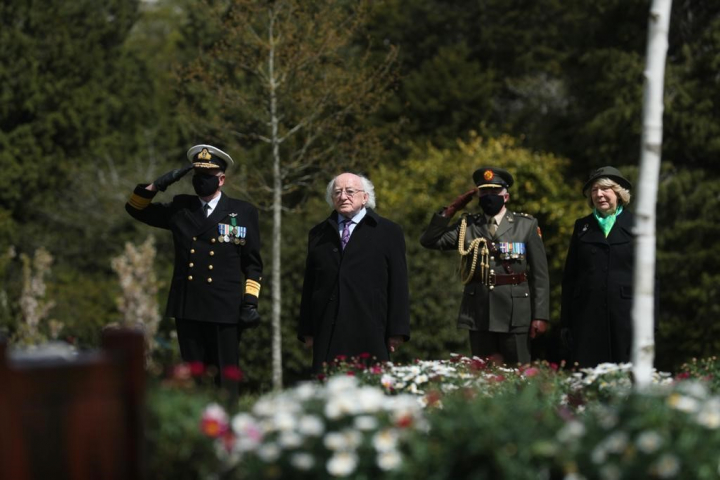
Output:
x=503 y=266
x=218 y=269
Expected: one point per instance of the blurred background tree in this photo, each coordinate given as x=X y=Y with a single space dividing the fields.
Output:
x=95 y=98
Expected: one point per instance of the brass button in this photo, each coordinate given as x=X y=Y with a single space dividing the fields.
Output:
x=191 y=265
x=212 y=240
x=212 y=253
x=209 y=280
x=194 y=239
x=192 y=250
x=189 y=277
x=210 y=267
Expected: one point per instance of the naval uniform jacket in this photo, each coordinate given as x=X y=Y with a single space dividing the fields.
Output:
x=504 y=308
x=597 y=291
x=208 y=279
x=353 y=300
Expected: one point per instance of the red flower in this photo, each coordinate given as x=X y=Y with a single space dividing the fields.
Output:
x=376 y=369
x=196 y=368
x=683 y=375
x=364 y=355
x=554 y=366
x=231 y=372
x=350 y=373
x=477 y=364
x=228 y=441
x=321 y=376
x=404 y=421
x=341 y=358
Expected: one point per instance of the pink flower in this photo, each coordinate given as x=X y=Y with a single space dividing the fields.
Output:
x=214 y=422
x=196 y=368
x=554 y=366
x=231 y=372
x=181 y=371
x=531 y=372
x=376 y=369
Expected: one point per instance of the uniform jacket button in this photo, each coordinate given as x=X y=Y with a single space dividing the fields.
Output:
x=190 y=277
x=212 y=253
x=194 y=239
x=212 y=240
x=210 y=267
x=192 y=250
x=209 y=280
x=191 y=265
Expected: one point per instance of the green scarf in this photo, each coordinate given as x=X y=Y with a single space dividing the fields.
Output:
x=606 y=223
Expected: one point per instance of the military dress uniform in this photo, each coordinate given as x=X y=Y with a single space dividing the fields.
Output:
x=217 y=264
x=505 y=275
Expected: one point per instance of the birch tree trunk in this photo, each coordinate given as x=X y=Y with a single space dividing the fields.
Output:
x=277 y=188
x=643 y=311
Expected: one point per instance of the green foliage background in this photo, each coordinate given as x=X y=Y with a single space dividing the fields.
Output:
x=92 y=101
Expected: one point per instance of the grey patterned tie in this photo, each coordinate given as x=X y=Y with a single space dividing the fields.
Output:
x=345 y=237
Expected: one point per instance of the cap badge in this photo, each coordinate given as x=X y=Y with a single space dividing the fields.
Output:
x=204 y=155
x=488 y=175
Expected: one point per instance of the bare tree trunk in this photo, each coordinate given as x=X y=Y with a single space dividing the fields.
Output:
x=277 y=215
x=644 y=279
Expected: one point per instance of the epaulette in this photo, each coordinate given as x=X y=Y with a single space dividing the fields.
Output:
x=522 y=214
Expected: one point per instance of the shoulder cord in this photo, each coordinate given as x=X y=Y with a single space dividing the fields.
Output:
x=478 y=245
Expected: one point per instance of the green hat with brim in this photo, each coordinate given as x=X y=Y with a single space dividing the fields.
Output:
x=607 y=172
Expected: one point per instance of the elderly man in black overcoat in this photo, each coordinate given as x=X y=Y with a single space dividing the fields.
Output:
x=355 y=296
x=218 y=268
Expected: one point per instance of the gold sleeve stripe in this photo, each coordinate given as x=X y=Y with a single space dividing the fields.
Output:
x=252 y=287
x=138 y=202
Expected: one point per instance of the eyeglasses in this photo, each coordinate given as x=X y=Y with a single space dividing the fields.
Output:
x=349 y=192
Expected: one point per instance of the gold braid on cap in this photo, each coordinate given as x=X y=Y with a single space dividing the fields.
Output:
x=477 y=246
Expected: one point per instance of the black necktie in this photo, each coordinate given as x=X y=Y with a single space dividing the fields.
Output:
x=207 y=210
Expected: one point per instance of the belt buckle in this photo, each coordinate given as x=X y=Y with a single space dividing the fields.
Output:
x=492 y=278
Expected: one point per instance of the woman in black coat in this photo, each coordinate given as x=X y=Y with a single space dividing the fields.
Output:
x=597 y=281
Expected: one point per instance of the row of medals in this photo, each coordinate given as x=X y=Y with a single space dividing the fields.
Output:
x=231 y=234
x=510 y=250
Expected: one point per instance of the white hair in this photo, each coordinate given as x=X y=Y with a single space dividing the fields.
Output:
x=367 y=186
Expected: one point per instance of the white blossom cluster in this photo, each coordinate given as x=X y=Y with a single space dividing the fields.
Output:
x=333 y=426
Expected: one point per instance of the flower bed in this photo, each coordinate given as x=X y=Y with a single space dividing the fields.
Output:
x=467 y=418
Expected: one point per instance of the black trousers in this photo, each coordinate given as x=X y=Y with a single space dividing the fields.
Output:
x=214 y=344
x=512 y=348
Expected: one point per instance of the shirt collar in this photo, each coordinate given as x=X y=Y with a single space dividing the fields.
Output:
x=213 y=203
x=356 y=219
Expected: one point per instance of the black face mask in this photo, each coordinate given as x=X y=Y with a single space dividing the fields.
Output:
x=492 y=204
x=205 y=185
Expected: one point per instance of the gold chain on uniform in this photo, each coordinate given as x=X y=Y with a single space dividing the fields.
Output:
x=478 y=245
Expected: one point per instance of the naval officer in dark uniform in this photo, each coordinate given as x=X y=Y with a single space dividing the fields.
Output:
x=503 y=266
x=218 y=269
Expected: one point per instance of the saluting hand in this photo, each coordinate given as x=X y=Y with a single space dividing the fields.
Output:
x=459 y=203
x=167 y=179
